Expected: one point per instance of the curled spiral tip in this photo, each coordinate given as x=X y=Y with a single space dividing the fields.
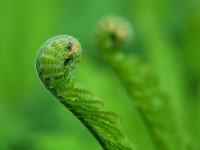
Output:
x=57 y=57
x=113 y=32
x=55 y=60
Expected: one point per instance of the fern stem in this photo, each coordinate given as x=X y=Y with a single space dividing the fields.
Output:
x=142 y=86
x=55 y=62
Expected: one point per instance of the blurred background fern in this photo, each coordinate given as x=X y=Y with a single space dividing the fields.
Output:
x=166 y=35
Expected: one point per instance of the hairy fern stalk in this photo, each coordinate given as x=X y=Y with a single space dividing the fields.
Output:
x=54 y=63
x=141 y=84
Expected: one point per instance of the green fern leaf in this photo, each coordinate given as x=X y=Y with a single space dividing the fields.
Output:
x=141 y=84
x=55 y=61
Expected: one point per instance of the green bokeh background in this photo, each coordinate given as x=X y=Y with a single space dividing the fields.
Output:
x=166 y=35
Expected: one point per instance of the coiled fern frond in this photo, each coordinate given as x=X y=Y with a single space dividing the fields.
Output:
x=141 y=84
x=54 y=63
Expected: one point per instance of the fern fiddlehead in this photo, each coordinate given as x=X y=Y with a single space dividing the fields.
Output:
x=140 y=82
x=54 y=63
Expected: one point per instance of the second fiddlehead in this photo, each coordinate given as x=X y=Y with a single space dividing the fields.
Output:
x=141 y=84
x=55 y=62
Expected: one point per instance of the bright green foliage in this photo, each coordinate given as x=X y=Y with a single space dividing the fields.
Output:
x=54 y=63
x=143 y=87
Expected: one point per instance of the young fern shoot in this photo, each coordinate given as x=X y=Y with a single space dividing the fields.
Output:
x=141 y=84
x=55 y=62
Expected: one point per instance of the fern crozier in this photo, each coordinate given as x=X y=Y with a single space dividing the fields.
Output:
x=54 y=63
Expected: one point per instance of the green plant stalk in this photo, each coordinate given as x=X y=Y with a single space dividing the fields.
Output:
x=54 y=63
x=141 y=84
x=151 y=103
